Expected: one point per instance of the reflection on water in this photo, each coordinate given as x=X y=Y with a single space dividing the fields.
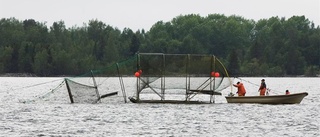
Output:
x=53 y=115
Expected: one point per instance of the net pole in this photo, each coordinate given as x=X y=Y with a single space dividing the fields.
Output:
x=163 y=77
x=122 y=85
x=138 y=78
x=212 y=86
x=187 y=76
x=211 y=68
x=96 y=87
x=69 y=91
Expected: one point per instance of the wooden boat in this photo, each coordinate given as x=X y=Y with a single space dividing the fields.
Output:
x=271 y=99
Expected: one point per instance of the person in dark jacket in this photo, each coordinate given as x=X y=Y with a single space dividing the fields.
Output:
x=262 y=88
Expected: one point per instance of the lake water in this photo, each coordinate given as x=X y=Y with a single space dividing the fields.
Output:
x=29 y=107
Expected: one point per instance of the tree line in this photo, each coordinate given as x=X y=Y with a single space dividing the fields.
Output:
x=267 y=47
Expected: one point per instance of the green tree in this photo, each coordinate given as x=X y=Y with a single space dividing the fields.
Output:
x=6 y=57
x=135 y=44
x=41 y=66
x=234 y=64
x=26 y=57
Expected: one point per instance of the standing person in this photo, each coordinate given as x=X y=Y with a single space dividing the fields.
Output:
x=241 y=89
x=263 y=88
x=287 y=92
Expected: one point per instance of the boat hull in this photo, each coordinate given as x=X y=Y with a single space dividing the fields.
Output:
x=272 y=99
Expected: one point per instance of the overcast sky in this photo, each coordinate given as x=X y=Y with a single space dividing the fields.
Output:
x=142 y=14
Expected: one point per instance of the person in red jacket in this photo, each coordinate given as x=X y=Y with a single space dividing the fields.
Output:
x=241 y=89
x=263 y=88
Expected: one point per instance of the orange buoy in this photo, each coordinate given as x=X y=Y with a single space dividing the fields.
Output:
x=217 y=74
x=137 y=74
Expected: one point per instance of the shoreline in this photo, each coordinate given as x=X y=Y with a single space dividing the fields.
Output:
x=18 y=75
x=34 y=75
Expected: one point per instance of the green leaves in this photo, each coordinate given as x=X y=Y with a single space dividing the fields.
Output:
x=273 y=47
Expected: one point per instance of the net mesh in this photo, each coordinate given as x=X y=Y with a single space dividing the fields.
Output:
x=96 y=84
x=82 y=90
x=161 y=76
x=180 y=74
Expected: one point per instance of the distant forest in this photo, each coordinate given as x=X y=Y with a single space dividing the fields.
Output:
x=267 y=47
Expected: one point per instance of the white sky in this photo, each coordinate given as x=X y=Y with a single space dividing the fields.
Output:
x=142 y=14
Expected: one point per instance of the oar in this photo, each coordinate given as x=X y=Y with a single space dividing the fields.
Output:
x=268 y=89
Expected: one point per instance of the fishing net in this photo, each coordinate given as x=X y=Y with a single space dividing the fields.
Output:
x=180 y=74
x=97 y=84
x=157 y=76
x=82 y=91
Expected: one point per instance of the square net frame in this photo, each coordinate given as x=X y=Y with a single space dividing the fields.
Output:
x=179 y=76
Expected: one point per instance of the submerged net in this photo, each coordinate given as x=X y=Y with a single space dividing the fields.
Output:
x=82 y=91
x=89 y=87
x=97 y=84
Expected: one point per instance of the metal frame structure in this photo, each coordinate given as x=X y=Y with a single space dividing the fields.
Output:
x=207 y=87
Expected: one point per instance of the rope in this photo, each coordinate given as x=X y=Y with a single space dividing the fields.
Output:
x=268 y=89
x=248 y=82
x=30 y=86
x=43 y=96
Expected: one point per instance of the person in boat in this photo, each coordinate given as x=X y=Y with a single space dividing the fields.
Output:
x=287 y=92
x=263 y=88
x=241 y=89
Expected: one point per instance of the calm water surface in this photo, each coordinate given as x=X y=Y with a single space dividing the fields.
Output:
x=30 y=107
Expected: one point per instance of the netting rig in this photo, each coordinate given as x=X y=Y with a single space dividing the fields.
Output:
x=159 y=78
x=179 y=78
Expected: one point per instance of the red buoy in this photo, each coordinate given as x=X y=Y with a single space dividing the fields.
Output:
x=137 y=74
x=217 y=74
x=212 y=74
